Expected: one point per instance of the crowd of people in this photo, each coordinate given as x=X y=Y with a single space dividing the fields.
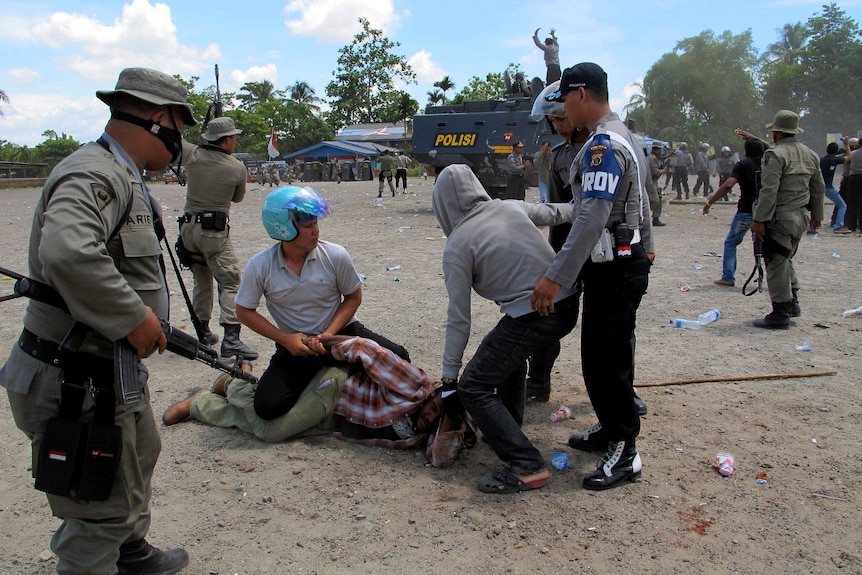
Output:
x=600 y=197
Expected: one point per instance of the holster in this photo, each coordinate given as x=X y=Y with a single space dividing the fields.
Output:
x=76 y=456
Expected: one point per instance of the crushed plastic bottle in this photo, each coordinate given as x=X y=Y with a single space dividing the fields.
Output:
x=724 y=463
x=708 y=317
x=696 y=267
x=836 y=256
x=689 y=323
x=559 y=461
x=849 y=312
x=392 y=268
x=804 y=347
x=562 y=413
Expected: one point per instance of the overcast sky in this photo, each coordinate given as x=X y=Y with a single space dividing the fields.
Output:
x=55 y=54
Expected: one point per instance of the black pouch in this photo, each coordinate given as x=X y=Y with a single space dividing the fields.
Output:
x=623 y=235
x=100 y=461
x=187 y=257
x=214 y=221
x=59 y=462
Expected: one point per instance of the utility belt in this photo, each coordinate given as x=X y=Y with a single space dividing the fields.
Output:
x=79 y=458
x=209 y=220
x=615 y=242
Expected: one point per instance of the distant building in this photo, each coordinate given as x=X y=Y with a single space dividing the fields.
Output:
x=386 y=134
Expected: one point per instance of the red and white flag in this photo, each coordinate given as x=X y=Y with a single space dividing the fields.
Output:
x=272 y=148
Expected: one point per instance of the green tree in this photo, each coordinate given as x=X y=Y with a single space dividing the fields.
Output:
x=401 y=108
x=815 y=69
x=252 y=94
x=435 y=97
x=364 y=84
x=302 y=93
x=684 y=99
x=445 y=85
x=55 y=148
x=295 y=125
x=492 y=87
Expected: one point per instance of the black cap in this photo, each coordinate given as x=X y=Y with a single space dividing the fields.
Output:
x=584 y=75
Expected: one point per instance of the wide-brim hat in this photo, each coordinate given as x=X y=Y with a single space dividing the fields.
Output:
x=150 y=86
x=785 y=121
x=219 y=128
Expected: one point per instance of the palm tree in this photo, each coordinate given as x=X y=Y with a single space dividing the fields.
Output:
x=791 y=39
x=304 y=94
x=50 y=135
x=445 y=85
x=4 y=99
x=435 y=97
x=255 y=93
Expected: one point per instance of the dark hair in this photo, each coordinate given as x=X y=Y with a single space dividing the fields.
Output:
x=753 y=148
x=832 y=148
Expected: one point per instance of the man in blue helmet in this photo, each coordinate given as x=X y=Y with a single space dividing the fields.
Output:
x=312 y=290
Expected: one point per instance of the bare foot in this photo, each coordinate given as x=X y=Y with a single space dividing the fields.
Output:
x=220 y=384
x=181 y=409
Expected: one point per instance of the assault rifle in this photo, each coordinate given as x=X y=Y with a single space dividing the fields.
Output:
x=125 y=356
x=219 y=110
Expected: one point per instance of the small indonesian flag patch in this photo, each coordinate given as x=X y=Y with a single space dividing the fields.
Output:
x=57 y=455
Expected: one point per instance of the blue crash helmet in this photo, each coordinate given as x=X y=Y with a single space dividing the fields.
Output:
x=287 y=205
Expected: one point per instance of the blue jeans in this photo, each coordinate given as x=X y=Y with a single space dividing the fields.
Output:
x=493 y=389
x=739 y=226
x=543 y=192
x=840 y=206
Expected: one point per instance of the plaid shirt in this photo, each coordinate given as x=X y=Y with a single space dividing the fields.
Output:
x=386 y=391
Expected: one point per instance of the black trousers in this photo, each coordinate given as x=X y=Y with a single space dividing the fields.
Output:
x=853 y=217
x=287 y=375
x=612 y=295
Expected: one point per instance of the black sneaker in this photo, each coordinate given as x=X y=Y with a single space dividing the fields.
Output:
x=593 y=439
x=620 y=463
x=141 y=558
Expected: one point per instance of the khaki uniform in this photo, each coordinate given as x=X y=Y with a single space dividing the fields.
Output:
x=653 y=192
x=790 y=181
x=216 y=179
x=106 y=287
x=387 y=164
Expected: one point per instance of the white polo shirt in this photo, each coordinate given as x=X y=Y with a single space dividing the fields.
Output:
x=304 y=303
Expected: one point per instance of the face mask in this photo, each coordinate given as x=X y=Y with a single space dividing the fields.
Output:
x=170 y=138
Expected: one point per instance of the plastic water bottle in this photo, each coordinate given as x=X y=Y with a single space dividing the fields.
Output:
x=849 y=312
x=708 y=317
x=559 y=461
x=689 y=323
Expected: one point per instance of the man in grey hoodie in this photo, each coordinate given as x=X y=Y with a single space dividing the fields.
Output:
x=495 y=248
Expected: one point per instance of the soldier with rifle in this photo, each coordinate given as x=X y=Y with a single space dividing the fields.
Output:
x=215 y=180
x=93 y=241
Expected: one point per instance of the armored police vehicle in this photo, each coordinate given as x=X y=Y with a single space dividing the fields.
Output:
x=481 y=135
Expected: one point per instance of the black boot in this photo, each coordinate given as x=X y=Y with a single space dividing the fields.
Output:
x=209 y=337
x=141 y=558
x=231 y=345
x=657 y=223
x=795 y=308
x=593 y=439
x=620 y=463
x=778 y=319
x=641 y=406
x=539 y=390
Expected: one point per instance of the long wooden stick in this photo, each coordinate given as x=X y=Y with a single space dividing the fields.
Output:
x=737 y=378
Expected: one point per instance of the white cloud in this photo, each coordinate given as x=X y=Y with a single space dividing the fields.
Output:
x=28 y=115
x=621 y=101
x=427 y=70
x=336 y=21
x=144 y=34
x=21 y=76
x=253 y=74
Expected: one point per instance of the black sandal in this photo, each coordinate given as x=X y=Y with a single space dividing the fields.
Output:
x=507 y=482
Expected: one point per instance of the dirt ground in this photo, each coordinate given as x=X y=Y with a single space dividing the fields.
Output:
x=324 y=506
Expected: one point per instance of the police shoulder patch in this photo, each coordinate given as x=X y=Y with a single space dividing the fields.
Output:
x=103 y=194
x=597 y=152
